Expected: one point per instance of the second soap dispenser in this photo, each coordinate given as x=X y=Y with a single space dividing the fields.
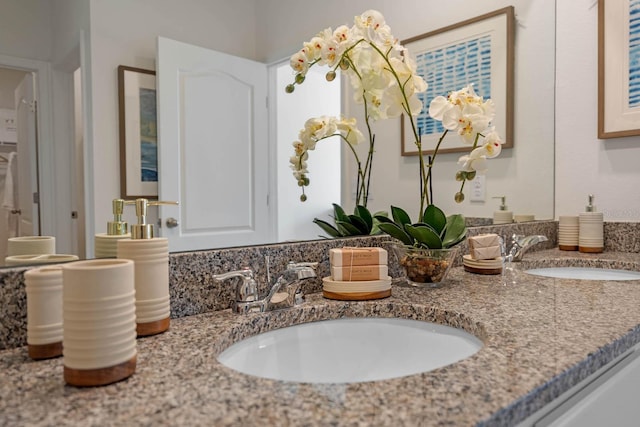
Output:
x=151 y=270
x=502 y=216
x=106 y=244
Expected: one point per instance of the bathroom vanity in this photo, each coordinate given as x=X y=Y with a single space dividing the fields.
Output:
x=541 y=337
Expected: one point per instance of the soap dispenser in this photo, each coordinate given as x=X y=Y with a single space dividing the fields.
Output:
x=106 y=244
x=502 y=216
x=150 y=256
x=590 y=229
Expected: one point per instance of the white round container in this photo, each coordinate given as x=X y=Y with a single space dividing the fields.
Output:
x=31 y=245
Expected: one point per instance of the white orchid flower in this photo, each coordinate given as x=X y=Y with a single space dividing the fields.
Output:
x=474 y=161
x=299 y=62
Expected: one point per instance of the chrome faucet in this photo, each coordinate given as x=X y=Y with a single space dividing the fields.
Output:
x=521 y=244
x=284 y=293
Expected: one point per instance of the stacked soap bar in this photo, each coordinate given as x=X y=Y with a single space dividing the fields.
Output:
x=485 y=246
x=358 y=264
x=485 y=255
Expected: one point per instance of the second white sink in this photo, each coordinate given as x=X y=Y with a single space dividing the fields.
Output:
x=585 y=273
x=350 y=350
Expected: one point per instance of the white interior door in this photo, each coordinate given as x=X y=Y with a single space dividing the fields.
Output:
x=27 y=169
x=212 y=148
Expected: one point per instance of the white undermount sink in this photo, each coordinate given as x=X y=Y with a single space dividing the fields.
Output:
x=350 y=350
x=585 y=273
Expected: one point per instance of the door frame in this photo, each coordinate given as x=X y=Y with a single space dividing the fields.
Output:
x=44 y=132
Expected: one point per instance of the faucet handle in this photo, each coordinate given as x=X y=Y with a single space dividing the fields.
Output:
x=304 y=270
x=247 y=289
x=296 y=265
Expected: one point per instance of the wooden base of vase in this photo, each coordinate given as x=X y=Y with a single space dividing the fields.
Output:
x=567 y=247
x=102 y=376
x=45 y=351
x=590 y=250
x=152 y=328
x=356 y=296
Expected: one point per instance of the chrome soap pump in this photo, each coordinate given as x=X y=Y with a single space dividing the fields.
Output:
x=151 y=271
x=106 y=244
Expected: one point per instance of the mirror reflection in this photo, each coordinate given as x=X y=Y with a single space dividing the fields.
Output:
x=78 y=155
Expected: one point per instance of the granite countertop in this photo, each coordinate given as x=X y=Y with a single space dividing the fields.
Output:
x=541 y=336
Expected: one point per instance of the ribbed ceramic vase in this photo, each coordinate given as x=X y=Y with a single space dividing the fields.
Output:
x=44 y=312
x=99 y=340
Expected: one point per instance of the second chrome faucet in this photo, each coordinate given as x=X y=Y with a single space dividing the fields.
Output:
x=284 y=292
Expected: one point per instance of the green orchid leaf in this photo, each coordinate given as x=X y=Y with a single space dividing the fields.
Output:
x=424 y=235
x=455 y=232
x=435 y=218
x=327 y=228
x=376 y=220
x=364 y=213
x=360 y=224
x=394 y=231
x=383 y=219
x=347 y=229
x=400 y=217
x=339 y=213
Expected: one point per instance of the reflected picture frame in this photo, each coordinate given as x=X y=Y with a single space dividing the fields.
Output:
x=618 y=68
x=479 y=50
x=137 y=111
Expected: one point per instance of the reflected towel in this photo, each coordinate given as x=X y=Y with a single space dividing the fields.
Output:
x=10 y=201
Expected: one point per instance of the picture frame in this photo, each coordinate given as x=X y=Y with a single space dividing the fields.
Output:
x=481 y=51
x=618 y=68
x=138 y=133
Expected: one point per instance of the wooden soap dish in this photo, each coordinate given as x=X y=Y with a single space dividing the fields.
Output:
x=356 y=296
x=482 y=270
x=101 y=376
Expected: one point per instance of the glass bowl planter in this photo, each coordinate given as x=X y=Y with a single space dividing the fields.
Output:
x=425 y=267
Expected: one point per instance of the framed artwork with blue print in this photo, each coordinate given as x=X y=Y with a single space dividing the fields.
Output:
x=618 y=68
x=478 y=51
x=138 y=133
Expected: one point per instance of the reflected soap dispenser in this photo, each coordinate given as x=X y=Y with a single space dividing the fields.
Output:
x=150 y=256
x=590 y=229
x=106 y=244
x=502 y=216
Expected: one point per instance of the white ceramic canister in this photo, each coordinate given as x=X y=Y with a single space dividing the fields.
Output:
x=44 y=312
x=99 y=339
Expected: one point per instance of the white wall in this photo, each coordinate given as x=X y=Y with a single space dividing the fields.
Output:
x=609 y=169
x=25 y=29
x=124 y=33
x=524 y=174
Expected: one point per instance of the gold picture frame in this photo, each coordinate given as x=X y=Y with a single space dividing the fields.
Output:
x=138 y=133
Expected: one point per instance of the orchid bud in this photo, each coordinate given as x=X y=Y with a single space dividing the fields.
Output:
x=331 y=75
x=299 y=78
x=461 y=176
x=459 y=197
x=290 y=88
x=471 y=175
x=344 y=64
x=303 y=197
